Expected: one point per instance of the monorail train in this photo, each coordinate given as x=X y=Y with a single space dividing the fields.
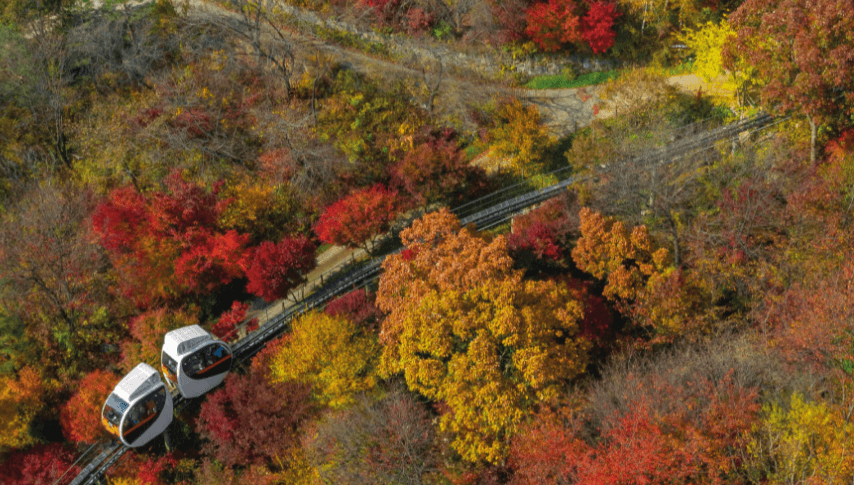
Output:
x=140 y=406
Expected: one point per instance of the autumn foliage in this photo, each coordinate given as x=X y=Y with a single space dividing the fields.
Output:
x=21 y=399
x=169 y=243
x=151 y=469
x=81 y=416
x=803 y=441
x=625 y=433
x=224 y=327
x=539 y=239
x=156 y=173
x=610 y=251
x=597 y=26
x=147 y=330
x=798 y=52
x=358 y=219
x=521 y=137
x=274 y=269
x=436 y=170
x=39 y=465
x=455 y=285
x=357 y=306
x=251 y=421
x=553 y=24
x=386 y=441
x=812 y=322
x=332 y=354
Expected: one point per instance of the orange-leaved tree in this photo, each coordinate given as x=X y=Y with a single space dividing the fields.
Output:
x=20 y=401
x=80 y=417
x=464 y=328
x=637 y=273
x=611 y=251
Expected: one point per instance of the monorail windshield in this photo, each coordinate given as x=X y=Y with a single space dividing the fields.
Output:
x=170 y=363
x=114 y=409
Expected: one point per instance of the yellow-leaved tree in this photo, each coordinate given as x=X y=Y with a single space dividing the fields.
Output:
x=521 y=136
x=804 y=442
x=262 y=210
x=465 y=329
x=20 y=402
x=707 y=43
x=332 y=354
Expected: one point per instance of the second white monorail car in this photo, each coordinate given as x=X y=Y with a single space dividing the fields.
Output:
x=193 y=361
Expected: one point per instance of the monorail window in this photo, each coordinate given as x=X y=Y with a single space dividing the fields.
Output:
x=145 y=408
x=193 y=364
x=170 y=363
x=114 y=408
x=203 y=359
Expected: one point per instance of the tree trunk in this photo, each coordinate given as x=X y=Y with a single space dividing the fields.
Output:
x=813 y=132
x=677 y=251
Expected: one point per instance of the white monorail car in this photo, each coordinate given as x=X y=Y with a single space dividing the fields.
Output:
x=193 y=361
x=139 y=408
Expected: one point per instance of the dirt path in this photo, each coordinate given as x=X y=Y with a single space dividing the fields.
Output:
x=563 y=110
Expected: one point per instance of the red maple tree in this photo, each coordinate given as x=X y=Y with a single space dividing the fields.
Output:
x=150 y=469
x=274 y=270
x=212 y=261
x=597 y=26
x=598 y=318
x=539 y=237
x=553 y=24
x=228 y=321
x=39 y=465
x=121 y=219
x=252 y=421
x=358 y=307
x=539 y=240
x=144 y=470
x=356 y=221
x=169 y=243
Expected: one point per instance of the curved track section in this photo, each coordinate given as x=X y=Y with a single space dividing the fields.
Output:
x=499 y=207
